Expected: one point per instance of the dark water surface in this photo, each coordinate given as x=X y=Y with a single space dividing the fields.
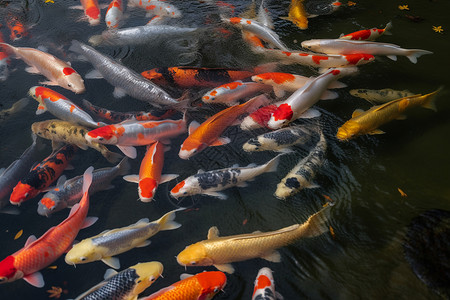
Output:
x=364 y=260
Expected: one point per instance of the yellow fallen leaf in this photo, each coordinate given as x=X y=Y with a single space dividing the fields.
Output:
x=402 y=193
x=19 y=234
x=332 y=233
x=403 y=7
x=52 y=267
x=438 y=29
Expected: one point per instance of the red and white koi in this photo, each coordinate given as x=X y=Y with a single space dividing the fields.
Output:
x=61 y=107
x=57 y=71
x=297 y=105
x=208 y=133
x=230 y=93
x=114 y=14
x=258 y=118
x=131 y=133
x=4 y=61
x=261 y=31
x=315 y=60
x=339 y=46
x=150 y=172
x=265 y=286
x=91 y=11
x=367 y=34
x=287 y=82
x=156 y=8
x=39 y=253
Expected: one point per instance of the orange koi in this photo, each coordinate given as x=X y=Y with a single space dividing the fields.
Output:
x=42 y=175
x=92 y=11
x=40 y=253
x=208 y=133
x=16 y=27
x=200 y=286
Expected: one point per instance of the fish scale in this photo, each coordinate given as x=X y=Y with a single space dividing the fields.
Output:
x=118 y=287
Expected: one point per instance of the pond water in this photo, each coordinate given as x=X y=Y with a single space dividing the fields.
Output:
x=363 y=259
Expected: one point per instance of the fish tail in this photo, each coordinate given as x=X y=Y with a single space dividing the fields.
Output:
x=7 y=48
x=184 y=102
x=414 y=54
x=19 y=105
x=76 y=47
x=124 y=166
x=110 y=156
x=430 y=99
x=167 y=221
x=316 y=224
x=388 y=28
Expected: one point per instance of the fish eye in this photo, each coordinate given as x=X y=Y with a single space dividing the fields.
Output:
x=26 y=194
x=193 y=263
x=152 y=278
x=2 y=279
x=83 y=258
x=216 y=290
x=139 y=281
x=101 y=139
x=184 y=193
x=69 y=85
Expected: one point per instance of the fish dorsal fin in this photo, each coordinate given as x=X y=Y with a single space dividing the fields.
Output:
x=213 y=233
x=93 y=289
x=30 y=240
x=160 y=292
x=264 y=234
x=143 y=221
x=357 y=112
x=185 y=275
x=2 y=170
x=109 y=273
x=200 y=171
x=193 y=126
x=61 y=180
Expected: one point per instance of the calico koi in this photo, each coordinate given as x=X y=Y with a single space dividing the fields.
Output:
x=42 y=175
x=367 y=34
x=150 y=172
x=40 y=253
x=265 y=286
x=230 y=93
x=114 y=14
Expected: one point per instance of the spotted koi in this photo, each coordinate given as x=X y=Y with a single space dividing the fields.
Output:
x=114 y=14
x=230 y=93
x=157 y=8
x=367 y=34
x=265 y=286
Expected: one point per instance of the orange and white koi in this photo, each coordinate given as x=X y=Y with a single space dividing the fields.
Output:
x=367 y=34
x=202 y=286
x=265 y=286
x=39 y=253
x=91 y=11
x=16 y=26
x=297 y=14
x=282 y=82
x=42 y=175
x=57 y=71
x=297 y=105
x=157 y=8
x=340 y=46
x=131 y=133
x=4 y=61
x=114 y=14
x=208 y=133
x=230 y=93
x=315 y=60
x=150 y=172
x=261 y=31
x=61 y=107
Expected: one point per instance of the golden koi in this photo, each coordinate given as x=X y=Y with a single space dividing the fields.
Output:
x=297 y=14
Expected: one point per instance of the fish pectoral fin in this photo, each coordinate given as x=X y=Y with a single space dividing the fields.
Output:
x=69 y=167
x=93 y=74
x=168 y=177
x=40 y=109
x=129 y=151
x=52 y=83
x=329 y=95
x=393 y=57
x=82 y=146
x=273 y=257
x=242 y=184
x=32 y=70
x=30 y=240
x=56 y=145
x=221 y=196
x=310 y=113
x=285 y=150
x=221 y=141
x=401 y=117
x=131 y=178
x=279 y=92
x=89 y=221
x=193 y=126
x=228 y=268
x=185 y=275
x=312 y=185
x=279 y=296
x=109 y=273
x=61 y=180
x=35 y=279
x=119 y=93
x=376 y=131
x=144 y=244
x=113 y=262
x=357 y=112
x=213 y=233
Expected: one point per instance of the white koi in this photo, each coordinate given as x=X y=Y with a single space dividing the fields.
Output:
x=114 y=14
x=156 y=8
x=230 y=93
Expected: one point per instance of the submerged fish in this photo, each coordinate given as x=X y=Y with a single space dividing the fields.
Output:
x=4 y=62
x=210 y=182
x=112 y=242
x=297 y=14
x=221 y=251
x=156 y=8
x=67 y=193
x=91 y=11
x=16 y=107
x=380 y=96
x=367 y=34
x=304 y=172
x=114 y=14
x=367 y=122
x=126 y=284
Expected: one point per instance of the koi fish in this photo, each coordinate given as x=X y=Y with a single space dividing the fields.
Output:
x=42 y=175
x=91 y=11
x=186 y=77
x=150 y=172
x=117 y=117
x=279 y=140
x=258 y=118
x=126 y=284
x=367 y=34
x=304 y=172
x=297 y=14
x=156 y=8
x=221 y=251
x=299 y=103
x=339 y=46
x=16 y=27
x=125 y=80
x=367 y=122
x=261 y=31
x=16 y=171
x=203 y=285
x=112 y=242
x=65 y=132
x=57 y=71
x=316 y=60
x=252 y=39
x=131 y=133
x=4 y=62
x=265 y=286
x=61 y=107
x=15 y=108
x=208 y=133
x=282 y=82
x=210 y=182
x=114 y=14
x=380 y=96
x=264 y=16
x=316 y=8
x=39 y=253
x=230 y=93
x=67 y=193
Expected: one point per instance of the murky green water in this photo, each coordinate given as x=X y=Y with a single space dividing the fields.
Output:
x=364 y=260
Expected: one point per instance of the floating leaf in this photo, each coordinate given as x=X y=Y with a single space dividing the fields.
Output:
x=402 y=193
x=52 y=267
x=403 y=7
x=438 y=29
x=332 y=233
x=19 y=234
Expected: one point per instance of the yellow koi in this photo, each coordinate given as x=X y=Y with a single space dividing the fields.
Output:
x=297 y=14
